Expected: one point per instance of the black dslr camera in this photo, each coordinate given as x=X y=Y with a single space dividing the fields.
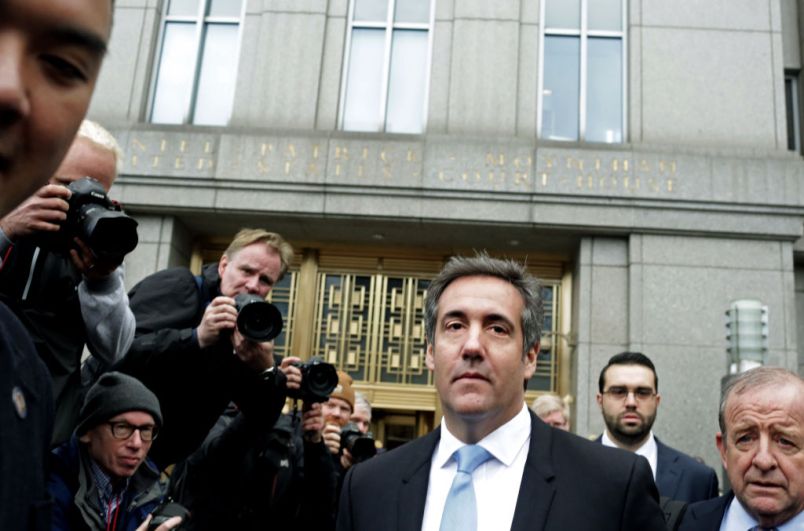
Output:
x=319 y=379
x=97 y=221
x=165 y=512
x=360 y=445
x=257 y=319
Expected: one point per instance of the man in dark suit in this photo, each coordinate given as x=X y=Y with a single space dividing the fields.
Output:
x=483 y=318
x=761 y=444
x=629 y=400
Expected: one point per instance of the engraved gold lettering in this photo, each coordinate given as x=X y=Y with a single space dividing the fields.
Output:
x=341 y=153
x=162 y=146
x=290 y=152
x=670 y=185
x=182 y=146
x=365 y=153
x=134 y=161
x=266 y=148
x=179 y=163
x=411 y=155
x=137 y=144
x=315 y=151
x=207 y=146
x=155 y=161
x=262 y=167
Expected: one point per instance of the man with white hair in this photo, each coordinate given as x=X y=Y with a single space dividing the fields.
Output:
x=66 y=298
x=761 y=445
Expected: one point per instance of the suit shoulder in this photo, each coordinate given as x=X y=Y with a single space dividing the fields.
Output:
x=584 y=451
x=399 y=461
x=684 y=460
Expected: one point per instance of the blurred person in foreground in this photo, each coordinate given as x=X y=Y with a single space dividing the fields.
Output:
x=492 y=464
x=761 y=444
x=50 y=56
x=67 y=297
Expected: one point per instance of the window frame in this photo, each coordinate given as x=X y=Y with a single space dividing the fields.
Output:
x=792 y=91
x=201 y=21
x=583 y=34
x=388 y=26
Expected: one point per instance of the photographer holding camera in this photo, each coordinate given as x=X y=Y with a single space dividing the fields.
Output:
x=190 y=351
x=102 y=478
x=66 y=294
x=250 y=475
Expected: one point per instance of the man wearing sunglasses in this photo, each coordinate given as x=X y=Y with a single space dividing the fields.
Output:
x=629 y=399
x=101 y=479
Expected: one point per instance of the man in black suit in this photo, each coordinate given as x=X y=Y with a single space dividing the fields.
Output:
x=483 y=319
x=629 y=400
x=761 y=444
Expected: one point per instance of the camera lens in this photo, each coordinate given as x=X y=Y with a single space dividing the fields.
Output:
x=257 y=319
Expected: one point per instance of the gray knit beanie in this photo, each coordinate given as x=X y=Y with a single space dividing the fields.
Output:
x=112 y=394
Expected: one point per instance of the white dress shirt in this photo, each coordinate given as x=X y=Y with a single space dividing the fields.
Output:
x=496 y=482
x=737 y=518
x=648 y=450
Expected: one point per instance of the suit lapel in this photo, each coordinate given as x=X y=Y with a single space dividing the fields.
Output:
x=709 y=514
x=415 y=479
x=536 y=490
x=667 y=474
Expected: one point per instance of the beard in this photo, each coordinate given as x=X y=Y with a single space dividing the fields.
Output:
x=626 y=434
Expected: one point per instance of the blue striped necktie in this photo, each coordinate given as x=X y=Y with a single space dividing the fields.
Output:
x=460 y=511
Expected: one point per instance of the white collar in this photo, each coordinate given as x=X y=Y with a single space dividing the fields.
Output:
x=504 y=443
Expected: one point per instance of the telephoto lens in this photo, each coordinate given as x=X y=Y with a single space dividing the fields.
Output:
x=257 y=319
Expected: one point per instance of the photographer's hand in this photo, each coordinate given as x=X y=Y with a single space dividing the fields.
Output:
x=42 y=212
x=292 y=373
x=346 y=459
x=220 y=314
x=87 y=264
x=258 y=356
x=332 y=438
x=169 y=524
x=312 y=422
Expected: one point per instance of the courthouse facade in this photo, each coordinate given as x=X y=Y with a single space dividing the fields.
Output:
x=643 y=156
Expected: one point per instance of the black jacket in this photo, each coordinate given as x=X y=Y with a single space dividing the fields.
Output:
x=194 y=385
x=26 y=421
x=250 y=476
x=46 y=301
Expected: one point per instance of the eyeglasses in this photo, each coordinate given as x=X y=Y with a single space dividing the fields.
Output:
x=124 y=430
x=621 y=393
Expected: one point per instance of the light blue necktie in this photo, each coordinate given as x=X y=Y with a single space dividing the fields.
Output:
x=460 y=511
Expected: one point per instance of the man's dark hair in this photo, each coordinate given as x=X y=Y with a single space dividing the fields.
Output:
x=482 y=264
x=628 y=358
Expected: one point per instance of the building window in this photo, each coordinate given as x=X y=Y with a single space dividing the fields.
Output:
x=386 y=66
x=582 y=82
x=196 y=66
x=791 y=99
